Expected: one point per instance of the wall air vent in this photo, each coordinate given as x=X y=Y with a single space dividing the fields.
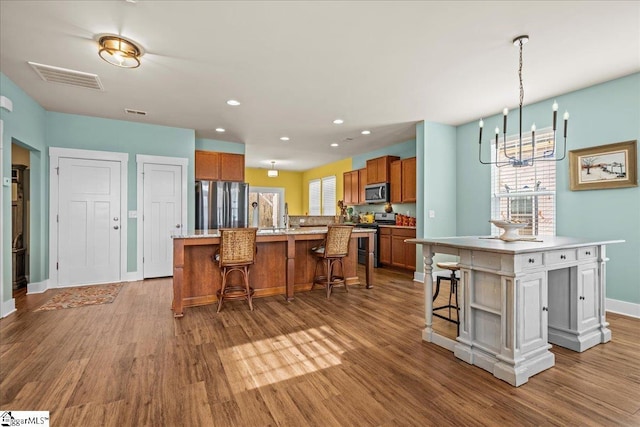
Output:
x=135 y=112
x=52 y=74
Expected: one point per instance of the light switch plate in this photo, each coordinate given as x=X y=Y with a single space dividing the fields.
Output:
x=6 y=181
x=432 y=214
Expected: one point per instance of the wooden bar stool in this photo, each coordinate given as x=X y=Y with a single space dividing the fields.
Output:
x=236 y=253
x=329 y=257
x=453 y=268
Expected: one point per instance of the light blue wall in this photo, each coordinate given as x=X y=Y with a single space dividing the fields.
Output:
x=403 y=150
x=601 y=114
x=217 y=145
x=26 y=124
x=92 y=133
x=436 y=182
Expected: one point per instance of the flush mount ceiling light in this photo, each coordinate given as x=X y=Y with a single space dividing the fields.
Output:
x=119 y=51
x=272 y=173
x=518 y=159
x=233 y=102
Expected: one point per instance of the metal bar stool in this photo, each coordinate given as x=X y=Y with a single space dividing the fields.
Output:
x=453 y=292
x=237 y=252
x=329 y=257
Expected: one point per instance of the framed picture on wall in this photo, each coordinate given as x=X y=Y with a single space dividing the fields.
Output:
x=604 y=166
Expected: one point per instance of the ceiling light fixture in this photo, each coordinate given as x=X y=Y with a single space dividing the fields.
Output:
x=338 y=121
x=284 y=138
x=517 y=160
x=272 y=173
x=119 y=51
x=335 y=144
x=233 y=102
x=221 y=130
x=366 y=132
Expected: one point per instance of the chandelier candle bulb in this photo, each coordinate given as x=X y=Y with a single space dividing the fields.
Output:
x=566 y=119
x=505 y=112
x=481 y=126
x=555 y=113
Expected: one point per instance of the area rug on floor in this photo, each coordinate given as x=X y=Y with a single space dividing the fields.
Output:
x=82 y=296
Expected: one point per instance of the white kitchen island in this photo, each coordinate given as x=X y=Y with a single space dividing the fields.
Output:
x=517 y=297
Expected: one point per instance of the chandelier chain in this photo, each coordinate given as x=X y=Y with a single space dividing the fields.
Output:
x=520 y=76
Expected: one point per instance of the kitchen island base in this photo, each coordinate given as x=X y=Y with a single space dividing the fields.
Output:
x=517 y=297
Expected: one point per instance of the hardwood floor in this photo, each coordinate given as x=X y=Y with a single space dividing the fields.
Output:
x=355 y=359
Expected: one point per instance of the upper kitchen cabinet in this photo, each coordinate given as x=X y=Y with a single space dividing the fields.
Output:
x=403 y=180
x=362 y=175
x=351 y=188
x=378 y=169
x=215 y=166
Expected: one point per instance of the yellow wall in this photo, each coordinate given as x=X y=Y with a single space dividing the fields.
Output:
x=336 y=168
x=290 y=181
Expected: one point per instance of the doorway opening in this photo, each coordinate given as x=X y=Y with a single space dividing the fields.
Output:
x=20 y=196
x=267 y=207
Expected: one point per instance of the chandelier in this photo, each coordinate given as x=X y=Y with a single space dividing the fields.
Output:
x=517 y=159
x=272 y=173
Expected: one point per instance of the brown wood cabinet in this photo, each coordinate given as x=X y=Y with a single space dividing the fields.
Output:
x=362 y=175
x=378 y=169
x=215 y=166
x=394 y=251
x=403 y=180
x=351 y=188
x=384 y=245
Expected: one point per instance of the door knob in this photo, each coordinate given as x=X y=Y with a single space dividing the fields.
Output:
x=115 y=218
x=115 y=227
x=178 y=225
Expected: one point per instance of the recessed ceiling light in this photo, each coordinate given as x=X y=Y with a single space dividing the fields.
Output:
x=233 y=102
x=220 y=130
x=284 y=138
x=366 y=132
x=338 y=121
x=335 y=144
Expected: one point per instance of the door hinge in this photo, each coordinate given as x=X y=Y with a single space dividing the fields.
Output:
x=58 y=170
x=57 y=266
x=142 y=259
x=57 y=218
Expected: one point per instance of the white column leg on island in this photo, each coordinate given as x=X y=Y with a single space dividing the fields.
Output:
x=427 y=256
x=605 y=332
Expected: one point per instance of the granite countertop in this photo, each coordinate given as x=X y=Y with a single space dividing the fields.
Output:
x=203 y=234
x=410 y=227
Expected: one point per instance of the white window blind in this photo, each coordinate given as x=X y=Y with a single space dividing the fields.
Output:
x=314 y=197
x=329 y=195
x=527 y=193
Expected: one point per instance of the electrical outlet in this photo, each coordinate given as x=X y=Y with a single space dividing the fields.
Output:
x=432 y=213
x=6 y=181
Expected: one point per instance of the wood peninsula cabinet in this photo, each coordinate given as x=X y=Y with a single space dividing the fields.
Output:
x=216 y=166
x=378 y=169
x=354 y=183
x=393 y=249
x=403 y=180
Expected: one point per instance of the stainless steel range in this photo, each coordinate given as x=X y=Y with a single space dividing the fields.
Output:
x=379 y=218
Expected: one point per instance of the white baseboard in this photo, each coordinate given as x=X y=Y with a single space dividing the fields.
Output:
x=418 y=277
x=132 y=276
x=8 y=307
x=37 y=287
x=623 y=307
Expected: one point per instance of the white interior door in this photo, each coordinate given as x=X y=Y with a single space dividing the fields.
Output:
x=162 y=210
x=89 y=223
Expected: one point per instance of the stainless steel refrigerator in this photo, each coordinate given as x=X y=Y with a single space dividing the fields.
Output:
x=221 y=204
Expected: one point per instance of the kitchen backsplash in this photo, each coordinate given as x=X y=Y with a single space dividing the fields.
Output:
x=310 y=220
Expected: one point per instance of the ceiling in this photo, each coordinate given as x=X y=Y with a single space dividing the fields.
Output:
x=297 y=66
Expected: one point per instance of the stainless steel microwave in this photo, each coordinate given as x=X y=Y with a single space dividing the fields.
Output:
x=376 y=193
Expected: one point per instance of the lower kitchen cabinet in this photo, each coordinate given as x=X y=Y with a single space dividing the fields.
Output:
x=394 y=251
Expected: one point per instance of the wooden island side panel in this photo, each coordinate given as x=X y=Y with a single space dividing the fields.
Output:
x=279 y=258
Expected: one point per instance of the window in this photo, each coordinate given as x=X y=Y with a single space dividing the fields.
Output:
x=322 y=196
x=527 y=193
x=268 y=210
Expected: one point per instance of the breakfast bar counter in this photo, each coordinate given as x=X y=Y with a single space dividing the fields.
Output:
x=283 y=265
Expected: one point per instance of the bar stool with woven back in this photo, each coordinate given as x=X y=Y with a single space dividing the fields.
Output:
x=329 y=257
x=237 y=252
x=452 y=267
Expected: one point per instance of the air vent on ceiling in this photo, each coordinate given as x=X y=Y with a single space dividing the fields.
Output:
x=135 y=112
x=52 y=74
